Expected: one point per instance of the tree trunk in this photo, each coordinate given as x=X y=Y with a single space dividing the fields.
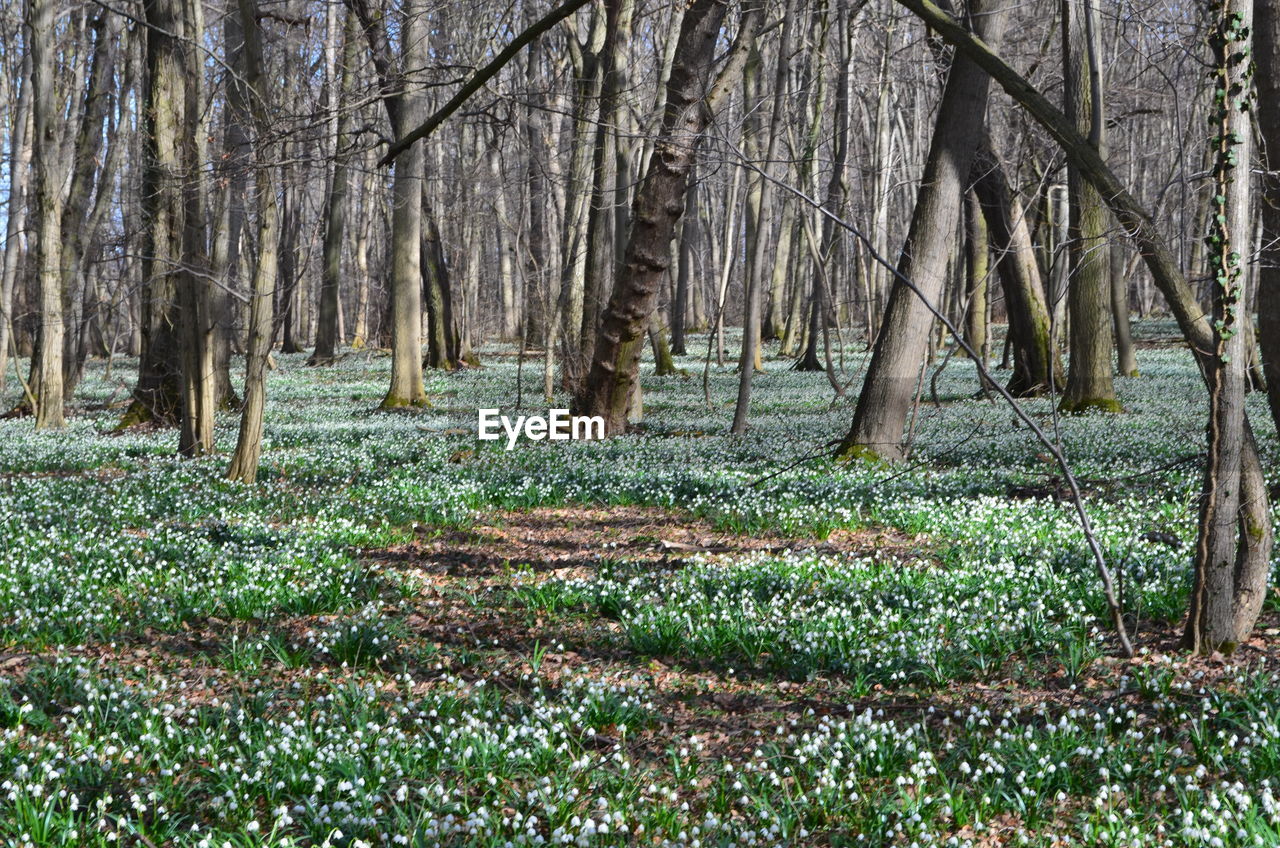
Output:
x=688 y=243
x=443 y=350
x=1230 y=579
x=235 y=169
x=20 y=154
x=77 y=234
x=765 y=194
x=405 y=110
x=794 y=334
x=244 y=462
x=509 y=300
x=537 y=274
x=368 y=202
x=1035 y=361
x=600 y=238
x=818 y=305
x=46 y=380
x=610 y=384
x=1126 y=359
x=664 y=364
x=901 y=345
x=195 y=436
x=1089 y=384
x=587 y=69
x=327 y=337
x=158 y=395
x=977 y=273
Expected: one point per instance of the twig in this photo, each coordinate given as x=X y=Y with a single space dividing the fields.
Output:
x=479 y=78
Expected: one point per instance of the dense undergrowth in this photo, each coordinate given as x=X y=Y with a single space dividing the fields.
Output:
x=194 y=662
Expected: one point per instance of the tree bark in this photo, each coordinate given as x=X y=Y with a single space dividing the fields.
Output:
x=405 y=110
x=600 y=237
x=688 y=242
x=901 y=345
x=244 y=462
x=77 y=225
x=327 y=337
x=20 y=154
x=1230 y=582
x=1035 y=359
x=195 y=435
x=751 y=332
x=1126 y=358
x=818 y=305
x=159 y=395
x=977 y=273
x=659 y=203
x=443 y=350
x=1089 y=383
x=46 y=379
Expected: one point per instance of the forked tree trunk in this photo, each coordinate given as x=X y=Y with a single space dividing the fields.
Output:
x=587 y=67
x=818 y=303
x=77 y=224
x=902 y=343
x=405 y=110
x=600 y=238
x=1035 y=360
x=610 y=384
x=798 y=324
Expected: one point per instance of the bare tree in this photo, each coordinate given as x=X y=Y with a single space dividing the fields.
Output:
x=46 y=378
x=1232 y=552
x=1234 y=573
x=336 y=203
x=901 y=345
x=610 y=384
x=1089 y=384
x=406 y=109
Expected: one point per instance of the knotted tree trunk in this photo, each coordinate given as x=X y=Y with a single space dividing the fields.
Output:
x=610 y=383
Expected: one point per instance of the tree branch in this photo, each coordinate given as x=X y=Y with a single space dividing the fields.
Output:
x=479 y=78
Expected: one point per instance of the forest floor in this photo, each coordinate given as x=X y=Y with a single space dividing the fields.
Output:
x=404 y=636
